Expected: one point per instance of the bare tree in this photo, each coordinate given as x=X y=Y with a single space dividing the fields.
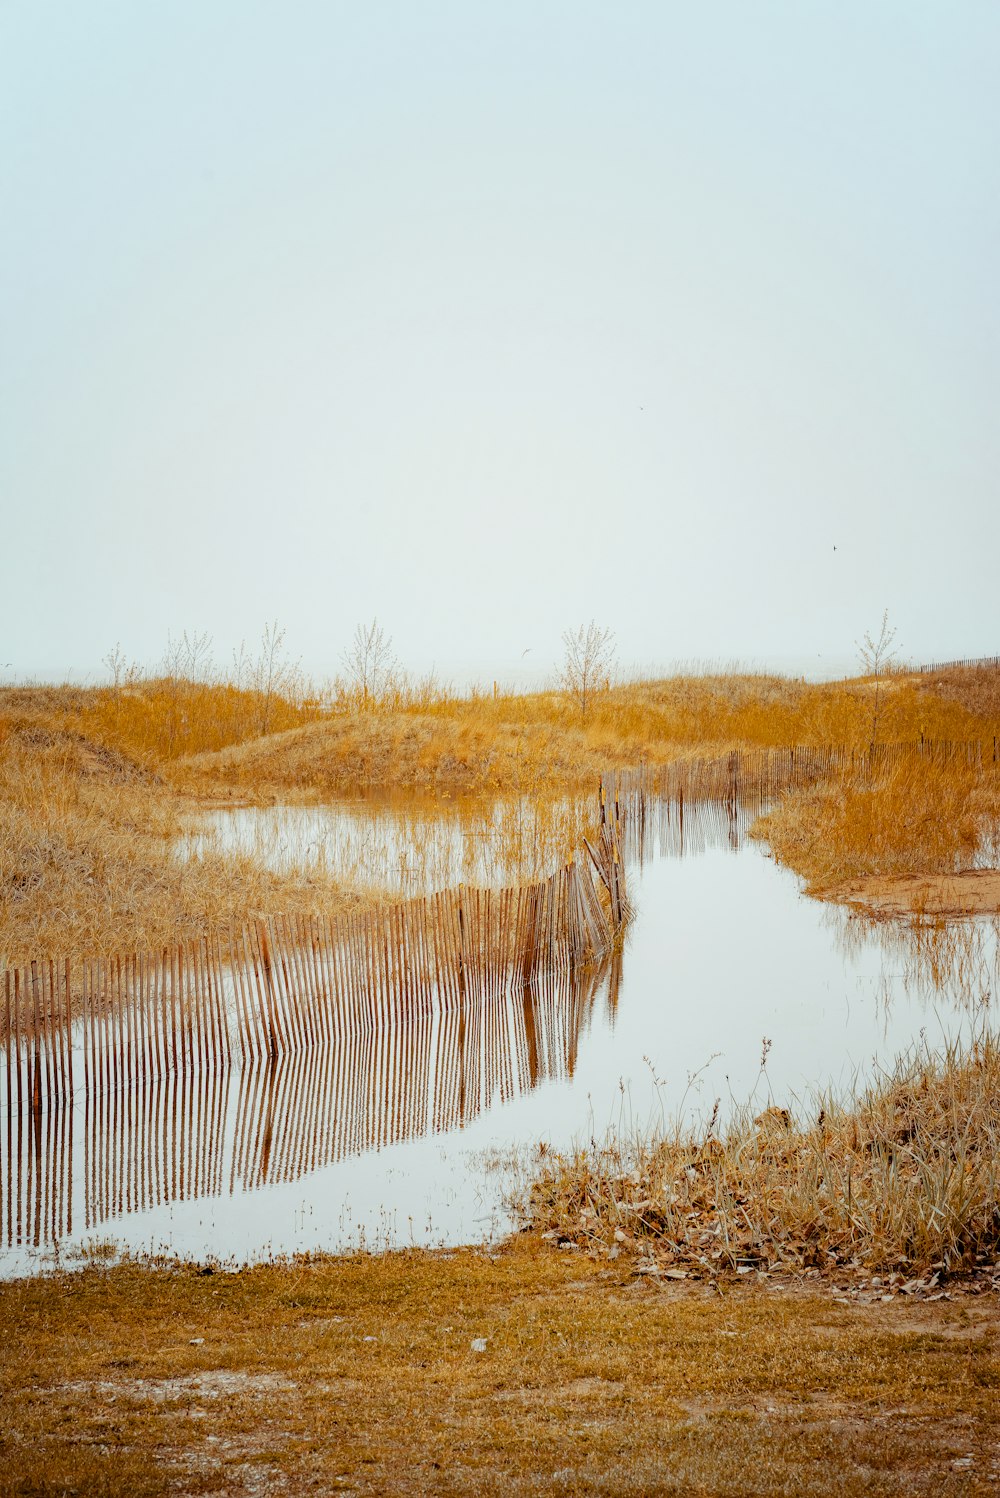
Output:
x=877 y=655
x=185 y=661
x=272 y=675
x=117 y=664
x=124 y=674
x=188 y=658
x=369 y=661
x=587 y=662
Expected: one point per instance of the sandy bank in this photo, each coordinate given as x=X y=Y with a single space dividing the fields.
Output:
x=972 y=892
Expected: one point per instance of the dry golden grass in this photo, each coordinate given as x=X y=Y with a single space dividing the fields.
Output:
x=87 y=862
x=93 y=780
x=381 y=752
x=482 y=743
x=904 y=1178
x=162 y=719
x=216 y=733
x=359 y=1376
x=919 y=816
x=975 y=690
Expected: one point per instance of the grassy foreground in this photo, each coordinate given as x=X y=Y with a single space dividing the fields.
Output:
x=363 y=1376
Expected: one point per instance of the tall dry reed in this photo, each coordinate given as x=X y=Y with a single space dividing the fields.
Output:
x=917 y=815
x=905 y=1176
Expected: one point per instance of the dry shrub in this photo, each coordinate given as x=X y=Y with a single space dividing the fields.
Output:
x=161 y=720
x=921 y=815
x=906 y=1176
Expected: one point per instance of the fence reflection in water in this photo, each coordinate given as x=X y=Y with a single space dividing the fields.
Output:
x=200 y=1133
x=151 y=1138
x=278 y=985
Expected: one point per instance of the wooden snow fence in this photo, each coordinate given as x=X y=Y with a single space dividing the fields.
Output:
x=281 y=984
x=195 y=1134
x=969 y=663
x=753 y=779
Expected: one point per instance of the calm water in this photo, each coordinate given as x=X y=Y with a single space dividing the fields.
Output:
x=407 y=848
x=401 y=1136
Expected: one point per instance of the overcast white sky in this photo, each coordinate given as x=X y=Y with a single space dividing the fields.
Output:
x=488 y=318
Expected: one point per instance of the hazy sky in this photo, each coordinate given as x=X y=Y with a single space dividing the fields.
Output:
x=488 y=318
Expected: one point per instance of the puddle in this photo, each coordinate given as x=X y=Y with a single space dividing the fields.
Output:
x=399 y=1135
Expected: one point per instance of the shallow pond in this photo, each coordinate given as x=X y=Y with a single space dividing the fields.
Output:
x=402 y=1136
x=405 y=848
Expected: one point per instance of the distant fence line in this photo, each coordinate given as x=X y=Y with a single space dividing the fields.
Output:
x=755 y=777
x=987 y=661
x=277 y=985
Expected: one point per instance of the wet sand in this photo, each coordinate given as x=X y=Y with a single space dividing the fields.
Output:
x=972 y=892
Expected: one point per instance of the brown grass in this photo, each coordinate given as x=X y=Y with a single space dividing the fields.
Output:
x=904 y=1178
x=94 y=782
x=419 y=752
x=511 y=743
x=480 y=743
x=86 y=861
x=359 y=1375
x=215 y=732
x=163 y=719
x=917 y=817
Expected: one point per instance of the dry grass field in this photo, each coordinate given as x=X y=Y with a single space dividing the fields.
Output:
x=903 y=1179
x=86 y=861
x=364 y=1376
x=94 y=783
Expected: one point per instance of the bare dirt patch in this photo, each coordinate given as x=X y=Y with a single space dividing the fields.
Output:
x=971 y=892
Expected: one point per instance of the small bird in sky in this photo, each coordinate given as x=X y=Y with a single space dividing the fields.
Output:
x=525 y=652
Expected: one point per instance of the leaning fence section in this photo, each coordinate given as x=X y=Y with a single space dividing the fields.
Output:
x=282 y=984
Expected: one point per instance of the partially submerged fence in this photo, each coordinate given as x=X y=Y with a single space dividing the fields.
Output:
x=284 y=983
x=752 y=779
x=278 y=985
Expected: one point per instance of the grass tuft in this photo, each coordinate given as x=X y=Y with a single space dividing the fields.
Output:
x=904 y=1177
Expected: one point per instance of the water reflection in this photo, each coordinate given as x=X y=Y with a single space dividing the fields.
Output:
x=407 y=849
x=200 y=1134
x=304 y=1153
x=675 y=829
x=927 y=957
x=413 y=850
